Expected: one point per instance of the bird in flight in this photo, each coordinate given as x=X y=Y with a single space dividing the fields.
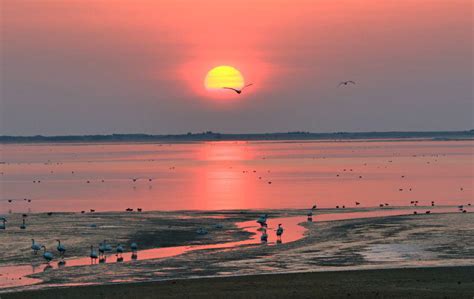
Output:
x=345 y=83
x=239 y=91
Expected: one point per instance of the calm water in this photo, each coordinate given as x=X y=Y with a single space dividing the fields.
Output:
x=234 y=175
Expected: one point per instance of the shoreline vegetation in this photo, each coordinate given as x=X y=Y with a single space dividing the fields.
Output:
x=214 y=136
x=436 y=282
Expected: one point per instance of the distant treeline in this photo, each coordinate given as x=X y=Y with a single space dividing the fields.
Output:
x=213 y=136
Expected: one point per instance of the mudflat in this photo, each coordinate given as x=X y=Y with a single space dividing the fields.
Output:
x=436 y=282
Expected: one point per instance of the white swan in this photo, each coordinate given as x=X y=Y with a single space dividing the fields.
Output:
x=35 y=246
x=61 y=248
x=93 y=255
x=48 y=256
x=279 y=231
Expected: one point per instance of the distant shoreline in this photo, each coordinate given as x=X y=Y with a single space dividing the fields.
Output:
x=213 y=136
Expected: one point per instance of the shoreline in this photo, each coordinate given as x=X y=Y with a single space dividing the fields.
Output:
x=422 y=282
x=324 y=245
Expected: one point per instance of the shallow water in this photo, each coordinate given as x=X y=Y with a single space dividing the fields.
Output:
x=234 y=175
x=16 y=275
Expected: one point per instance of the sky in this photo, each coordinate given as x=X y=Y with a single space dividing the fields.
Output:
x=116 y=66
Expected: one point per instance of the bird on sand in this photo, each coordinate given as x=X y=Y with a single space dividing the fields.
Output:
x=61 y=249
x=35 y=246
x=239 y=91
x=93 y=255
x=279 y=231
x=345 y=83
x=48 y=256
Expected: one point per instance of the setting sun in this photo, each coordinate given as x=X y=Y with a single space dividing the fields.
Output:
x=223 y=76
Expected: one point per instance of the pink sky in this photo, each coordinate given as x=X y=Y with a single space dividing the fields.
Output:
x=97 y=66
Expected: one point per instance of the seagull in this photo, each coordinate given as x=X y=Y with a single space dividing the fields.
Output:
x=345 y=83
x=239 y=91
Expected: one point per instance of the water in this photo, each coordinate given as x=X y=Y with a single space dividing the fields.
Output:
x=233 y=175
x=16 y=275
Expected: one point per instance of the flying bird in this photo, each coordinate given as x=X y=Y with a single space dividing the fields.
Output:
x=345 y=83
x=239 y=91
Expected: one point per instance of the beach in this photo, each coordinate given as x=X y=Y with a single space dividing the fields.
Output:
x=443 y=282
x=370 y=243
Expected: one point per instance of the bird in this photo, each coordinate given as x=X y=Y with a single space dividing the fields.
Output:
x=238 y=91
x=314 y=207
x=61 y=248
x=23 y=224
x=345 y=83
x=279 y=231
x=3 y=226
x=262 y=220
x=264 y=236
x=134 y=247
x=93 y=255
x=357 y=203
x=201 y=231
x=35 y=246
x=48 y=256
x=104 y=247
x=119 y=250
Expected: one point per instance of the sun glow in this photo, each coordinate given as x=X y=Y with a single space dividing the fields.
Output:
x=223 y=76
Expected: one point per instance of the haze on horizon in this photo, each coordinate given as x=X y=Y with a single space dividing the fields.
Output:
x=101 y=67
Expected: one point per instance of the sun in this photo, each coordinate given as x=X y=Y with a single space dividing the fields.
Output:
x=224 y=76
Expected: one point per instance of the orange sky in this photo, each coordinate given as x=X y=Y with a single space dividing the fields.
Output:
x=158 y=52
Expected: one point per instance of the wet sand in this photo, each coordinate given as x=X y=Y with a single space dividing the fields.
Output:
x=328 y=244
x=442 y=282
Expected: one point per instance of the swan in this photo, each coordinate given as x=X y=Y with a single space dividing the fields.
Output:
x=134 y=247
x=61 y=248
x=23 y=224
x=119 y=250
x=35 y=246
x=279 y=231
x=262 y=220
x=104 y=247
x=93 y=255
x=264 y=236
x=3 y=226
x=48 y=256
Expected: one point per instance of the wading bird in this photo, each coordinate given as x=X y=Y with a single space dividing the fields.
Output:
x=279 y=231
x=35 y=246
x=48 y=256
x=93 y=255
x=61 y=248
x=239 y=91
